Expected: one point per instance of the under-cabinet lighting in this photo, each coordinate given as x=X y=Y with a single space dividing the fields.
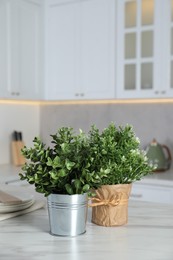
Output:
x=88 y=102
x=112 y=101
x=19 y=102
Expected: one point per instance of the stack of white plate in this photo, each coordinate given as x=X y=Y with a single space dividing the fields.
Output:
x=24 y=199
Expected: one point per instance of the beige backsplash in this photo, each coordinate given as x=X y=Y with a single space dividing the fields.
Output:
x=149 y=120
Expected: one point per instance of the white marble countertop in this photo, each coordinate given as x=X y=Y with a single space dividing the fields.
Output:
x=147 y=236
x=160 y=178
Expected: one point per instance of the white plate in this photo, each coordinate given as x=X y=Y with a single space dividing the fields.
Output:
x=12 y=208
x=19 y=192
x=26 y=199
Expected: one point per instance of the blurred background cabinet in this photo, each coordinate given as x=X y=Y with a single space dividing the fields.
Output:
x=3 y=49
x=80 y=47
x=20 y=49
x=159 y=193
x=86 y=49
x=145 y=49
x=54 y=49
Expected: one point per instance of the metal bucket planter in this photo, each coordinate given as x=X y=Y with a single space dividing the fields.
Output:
x=67 y=214
x=110 y=205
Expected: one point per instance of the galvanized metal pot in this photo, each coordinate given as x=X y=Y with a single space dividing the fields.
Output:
x=67 y=214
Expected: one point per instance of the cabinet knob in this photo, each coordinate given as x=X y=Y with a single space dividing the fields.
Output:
x=82 y=94
x=76 y=94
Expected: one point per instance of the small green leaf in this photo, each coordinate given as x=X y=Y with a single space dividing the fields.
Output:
x=69 y=164
x=62 y=173
x=64 y=147
x=50 y=162
x=107 y=171
x=69 y=189
x=53 y=175
x=31 y=179
x=86 y=188
x=77 y=185
x=56 y=162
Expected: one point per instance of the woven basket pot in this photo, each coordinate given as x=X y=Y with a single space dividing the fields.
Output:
x=110 y=205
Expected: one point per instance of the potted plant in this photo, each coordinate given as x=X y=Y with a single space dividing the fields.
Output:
x=63 y=174
x=106 y=162
x=117 y=154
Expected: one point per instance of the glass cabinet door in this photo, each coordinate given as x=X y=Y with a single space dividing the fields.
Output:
x=142 y=48
x=139 y=44
x=145 y=48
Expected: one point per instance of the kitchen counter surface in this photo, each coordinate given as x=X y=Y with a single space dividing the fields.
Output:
x=147 y=236
x=164 y=178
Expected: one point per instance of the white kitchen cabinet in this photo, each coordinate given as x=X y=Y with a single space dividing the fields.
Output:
x=57 y=49
x=3 y=48
x=86 y=49
x=20 y=49
x=169 y=66
x=144 y=49
x=79 y=49
x=152 y=193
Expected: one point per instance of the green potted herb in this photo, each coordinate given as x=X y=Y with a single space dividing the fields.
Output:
x=117 y=154
x=106 y=162
x=62 y=172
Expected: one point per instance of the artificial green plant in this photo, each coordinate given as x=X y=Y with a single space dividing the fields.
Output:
x=79 y=163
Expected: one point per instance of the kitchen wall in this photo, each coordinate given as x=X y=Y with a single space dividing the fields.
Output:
x=20 y=117
x=153 y=120
x=149 y=121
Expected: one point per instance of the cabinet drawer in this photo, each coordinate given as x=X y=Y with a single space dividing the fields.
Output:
x=152 y=194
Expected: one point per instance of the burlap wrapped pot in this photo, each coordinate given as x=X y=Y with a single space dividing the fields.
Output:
x=110 y=205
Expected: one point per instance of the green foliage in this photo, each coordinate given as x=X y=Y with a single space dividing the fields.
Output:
x=78 y=163
x=63 y=169
x=116 y=152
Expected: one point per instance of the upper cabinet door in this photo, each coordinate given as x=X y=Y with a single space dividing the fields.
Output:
x=25 y=49
x=171 y=45
x=61 y=51
x=80 y=50
x=143 y=45
x=97 y=48
x=4 y=76
x=20 y=49
x=136 y=48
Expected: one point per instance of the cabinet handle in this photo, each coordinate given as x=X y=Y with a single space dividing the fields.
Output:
x=136 y=195
x=161 y=92
x=15 y=93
